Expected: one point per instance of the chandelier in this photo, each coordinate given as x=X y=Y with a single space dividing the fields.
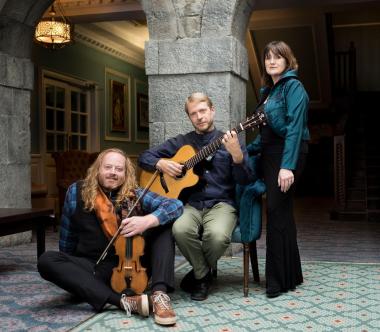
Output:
x=54 y=31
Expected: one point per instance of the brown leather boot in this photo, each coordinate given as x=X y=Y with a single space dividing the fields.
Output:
x=162 y=309
x=137 y=304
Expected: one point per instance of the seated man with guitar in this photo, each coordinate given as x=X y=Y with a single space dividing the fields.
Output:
x=204 y=230
x=108 y=204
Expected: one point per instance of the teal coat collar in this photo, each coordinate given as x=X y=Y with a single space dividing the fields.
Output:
x=291 y=73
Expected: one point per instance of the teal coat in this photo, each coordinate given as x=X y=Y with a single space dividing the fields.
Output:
x=286 y=111
x=248 y=199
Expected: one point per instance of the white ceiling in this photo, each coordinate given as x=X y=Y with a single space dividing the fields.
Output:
x=116 y=27
x=123 y=39
x=102 y=10
x=131 y=32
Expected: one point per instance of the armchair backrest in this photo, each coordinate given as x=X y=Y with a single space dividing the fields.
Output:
x=70 y=167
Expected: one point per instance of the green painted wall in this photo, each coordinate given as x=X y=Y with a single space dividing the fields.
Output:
x=86 y=63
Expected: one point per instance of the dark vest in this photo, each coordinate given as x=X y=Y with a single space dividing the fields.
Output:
x=91 y=239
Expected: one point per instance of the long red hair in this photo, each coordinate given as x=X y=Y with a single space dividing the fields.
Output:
x=91 y=182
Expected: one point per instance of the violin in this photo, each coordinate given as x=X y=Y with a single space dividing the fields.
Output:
x=128 y=274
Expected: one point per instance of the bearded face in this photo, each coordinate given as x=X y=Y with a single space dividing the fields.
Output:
x=201 y=116
x=112 y=171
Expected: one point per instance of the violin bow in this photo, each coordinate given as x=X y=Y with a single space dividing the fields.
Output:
x=114 y=237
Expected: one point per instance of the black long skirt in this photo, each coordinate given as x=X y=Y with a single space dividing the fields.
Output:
x=283 y=265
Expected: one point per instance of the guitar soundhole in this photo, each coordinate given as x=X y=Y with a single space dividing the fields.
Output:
x=184 y=170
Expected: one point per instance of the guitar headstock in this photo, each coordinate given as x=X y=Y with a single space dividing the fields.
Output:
x=255 y=120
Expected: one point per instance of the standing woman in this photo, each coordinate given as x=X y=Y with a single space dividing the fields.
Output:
x=283 y=143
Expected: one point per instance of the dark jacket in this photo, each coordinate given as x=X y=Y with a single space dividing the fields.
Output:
x=218 y=175
x=286 y=111
x=248 y=199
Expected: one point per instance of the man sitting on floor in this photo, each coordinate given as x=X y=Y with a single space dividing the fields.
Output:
x=83 y=239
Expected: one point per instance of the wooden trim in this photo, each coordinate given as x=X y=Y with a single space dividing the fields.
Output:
x=246 y=268
x=339 y=172
x=283 y=19
x=254 y=65
x=254 y=262
x=138 y=140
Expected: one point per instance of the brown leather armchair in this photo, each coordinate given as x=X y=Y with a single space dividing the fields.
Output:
x=71 y=166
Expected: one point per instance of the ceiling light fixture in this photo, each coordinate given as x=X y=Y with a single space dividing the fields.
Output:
x=54 y=31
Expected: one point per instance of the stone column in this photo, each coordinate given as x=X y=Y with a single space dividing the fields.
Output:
x=195 y=45
x=17 y=20
x=16 y=83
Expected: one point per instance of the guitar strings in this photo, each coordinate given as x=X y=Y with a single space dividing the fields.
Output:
x=209 y=149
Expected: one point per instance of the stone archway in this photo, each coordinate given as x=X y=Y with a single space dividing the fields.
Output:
x=17 y=20
x=195 y=46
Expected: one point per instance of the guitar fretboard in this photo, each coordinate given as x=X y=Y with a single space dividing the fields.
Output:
x=207 y=150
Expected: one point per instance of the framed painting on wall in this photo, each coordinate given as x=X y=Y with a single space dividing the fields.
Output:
x=305 y=35
x=117 y=106
x=142 y=112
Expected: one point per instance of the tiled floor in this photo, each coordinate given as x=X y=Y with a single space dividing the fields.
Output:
x=322 y=239
x=319 y=238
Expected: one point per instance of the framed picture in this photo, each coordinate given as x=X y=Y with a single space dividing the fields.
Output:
x=117 y=106
x=303 y=35
x=142 y=112
x=301 y=39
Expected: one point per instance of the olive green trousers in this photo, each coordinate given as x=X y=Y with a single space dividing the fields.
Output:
x=204 y=235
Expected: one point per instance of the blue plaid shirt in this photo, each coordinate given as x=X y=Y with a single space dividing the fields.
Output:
x=165 y=209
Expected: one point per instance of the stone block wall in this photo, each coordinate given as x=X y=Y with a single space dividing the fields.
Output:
x=16 y=82
x=195 y=46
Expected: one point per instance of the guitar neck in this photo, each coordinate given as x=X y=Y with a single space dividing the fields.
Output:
x=209 y=149
x=255 y=120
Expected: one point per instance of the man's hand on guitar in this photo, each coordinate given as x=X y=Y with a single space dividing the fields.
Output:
x=231 y=143
x=169 y=167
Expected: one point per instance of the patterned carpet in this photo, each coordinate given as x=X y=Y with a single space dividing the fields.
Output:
x=331 y=299
x=29 y=303
x=334 y=297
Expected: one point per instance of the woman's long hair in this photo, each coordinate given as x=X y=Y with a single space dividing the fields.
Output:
x=91 y=182
x=282 y=49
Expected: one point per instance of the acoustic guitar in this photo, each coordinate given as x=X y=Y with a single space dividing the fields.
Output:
x=189 y=157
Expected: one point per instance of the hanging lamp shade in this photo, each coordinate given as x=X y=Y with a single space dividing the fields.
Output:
x=54 y=31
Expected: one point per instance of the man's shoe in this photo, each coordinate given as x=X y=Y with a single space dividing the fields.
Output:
x=188 y=281
x=200 y=291
x=201 y=288
x=137 y=304
x=162 y=309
